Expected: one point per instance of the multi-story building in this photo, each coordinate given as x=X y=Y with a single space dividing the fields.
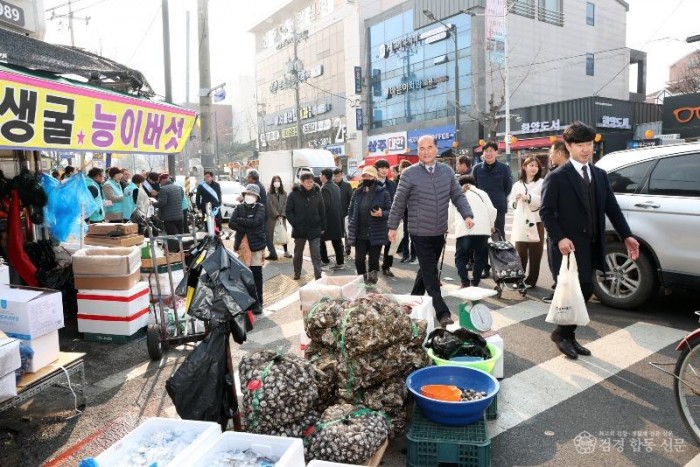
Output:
x=378 y=74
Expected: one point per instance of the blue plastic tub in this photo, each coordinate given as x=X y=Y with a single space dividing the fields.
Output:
x=453 y=413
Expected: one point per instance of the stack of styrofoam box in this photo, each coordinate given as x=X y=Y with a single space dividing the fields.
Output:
x=34 y=316
x=9 y=362
x=113 y=312
x=289 y=451
x=338 y=287
x=204 y=434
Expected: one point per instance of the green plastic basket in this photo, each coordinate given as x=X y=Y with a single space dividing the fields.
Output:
x=483 y=365
x=432 y=444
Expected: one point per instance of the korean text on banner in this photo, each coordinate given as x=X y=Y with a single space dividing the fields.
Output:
x=37 y=113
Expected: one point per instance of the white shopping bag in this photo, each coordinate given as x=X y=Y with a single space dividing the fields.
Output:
x=568 y=306
x=280 y=233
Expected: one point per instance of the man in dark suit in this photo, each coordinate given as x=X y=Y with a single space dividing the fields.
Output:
x=576 y=197
x=345 y=197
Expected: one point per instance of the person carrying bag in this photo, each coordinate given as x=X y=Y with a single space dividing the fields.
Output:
x=568 y=306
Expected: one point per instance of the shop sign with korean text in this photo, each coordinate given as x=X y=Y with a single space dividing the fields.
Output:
x=38 y=113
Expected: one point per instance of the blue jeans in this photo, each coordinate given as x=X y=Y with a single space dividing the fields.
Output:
x=479 y=245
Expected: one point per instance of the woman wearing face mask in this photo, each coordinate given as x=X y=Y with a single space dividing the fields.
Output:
x=368 y=231
x=248 y=221
x=275 y=208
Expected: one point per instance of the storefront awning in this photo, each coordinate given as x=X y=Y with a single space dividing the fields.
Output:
x=531 y=143
x=45 y=112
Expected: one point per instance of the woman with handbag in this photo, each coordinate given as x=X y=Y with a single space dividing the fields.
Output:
x=528 y=231
x=276 y=205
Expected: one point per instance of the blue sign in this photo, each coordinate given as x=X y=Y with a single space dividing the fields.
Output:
x=219 y=94
x=358 y=119
x=643 y=143
x=444 y=135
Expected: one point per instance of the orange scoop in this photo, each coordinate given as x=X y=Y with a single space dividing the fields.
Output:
x=442 y=392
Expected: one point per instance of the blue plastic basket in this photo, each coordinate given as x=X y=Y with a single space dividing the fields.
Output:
x=453 y=413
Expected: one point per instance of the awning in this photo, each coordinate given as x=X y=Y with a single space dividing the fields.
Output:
x=45 y=112
x=531 y=143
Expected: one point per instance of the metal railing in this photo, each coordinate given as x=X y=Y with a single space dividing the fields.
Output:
x=550 y=16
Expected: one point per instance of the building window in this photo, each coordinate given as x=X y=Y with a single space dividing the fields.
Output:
x=524 y=8
x=590 y=65
x=551 y=11
x=590 y=14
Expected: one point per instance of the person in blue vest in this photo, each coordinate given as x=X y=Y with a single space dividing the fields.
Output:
x=114 y=196
x=94 y=182
x=130 y=194
x=209 y=191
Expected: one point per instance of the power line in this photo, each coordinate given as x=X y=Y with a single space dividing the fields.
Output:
x=128 y=62
x=62 y=5
x=65 y=15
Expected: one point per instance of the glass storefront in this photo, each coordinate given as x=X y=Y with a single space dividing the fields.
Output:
x=413 y=72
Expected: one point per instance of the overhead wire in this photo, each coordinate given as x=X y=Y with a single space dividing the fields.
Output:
x=128 y=62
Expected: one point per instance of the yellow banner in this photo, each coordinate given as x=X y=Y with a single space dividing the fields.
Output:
x=38 y=113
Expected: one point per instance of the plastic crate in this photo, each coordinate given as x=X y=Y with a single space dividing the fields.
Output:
x=492 y=411
x=290 y=451
x=432 y=444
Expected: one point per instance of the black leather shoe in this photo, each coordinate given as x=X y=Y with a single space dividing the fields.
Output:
x=387 y=272
x=581 y=350
x=565 y=346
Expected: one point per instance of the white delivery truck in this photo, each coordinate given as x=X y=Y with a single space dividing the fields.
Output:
x=289 y=164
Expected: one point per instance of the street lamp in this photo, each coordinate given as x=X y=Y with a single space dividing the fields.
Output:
x=453 y=34
x=506 y=81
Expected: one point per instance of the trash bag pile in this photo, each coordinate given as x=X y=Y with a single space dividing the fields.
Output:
x=460 y=343
x=280 y=393
x=346 y=433
x=361 y=349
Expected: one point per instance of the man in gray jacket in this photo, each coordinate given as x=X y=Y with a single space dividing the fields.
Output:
x=427 y=189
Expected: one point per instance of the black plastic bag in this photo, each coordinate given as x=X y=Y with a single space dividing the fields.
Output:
x=460 y=343
x=201 y=389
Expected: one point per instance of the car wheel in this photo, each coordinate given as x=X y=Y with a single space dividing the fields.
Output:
x=626 y=284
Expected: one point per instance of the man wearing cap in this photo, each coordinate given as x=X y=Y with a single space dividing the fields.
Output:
x=307 y=215
x=426 y=189
x=169 y=205
x=383 y=181
x=248 y=220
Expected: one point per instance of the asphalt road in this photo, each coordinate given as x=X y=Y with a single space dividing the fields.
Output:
x=613 y=408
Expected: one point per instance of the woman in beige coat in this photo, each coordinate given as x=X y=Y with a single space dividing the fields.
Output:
x=275 y=209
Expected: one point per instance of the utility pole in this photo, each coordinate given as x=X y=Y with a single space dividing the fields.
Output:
x=296 y=64
x=506 y=83
x=187 y=58
x=168 y=77
x=70 y=23
x=205 y=85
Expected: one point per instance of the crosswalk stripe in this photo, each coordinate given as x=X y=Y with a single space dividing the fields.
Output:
x=540 y=388
x=694 y=462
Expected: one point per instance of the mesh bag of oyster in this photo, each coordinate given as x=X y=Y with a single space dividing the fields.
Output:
x=279 y=393
x=346 y=433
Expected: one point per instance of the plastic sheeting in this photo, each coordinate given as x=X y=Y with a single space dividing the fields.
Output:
x=62 y=213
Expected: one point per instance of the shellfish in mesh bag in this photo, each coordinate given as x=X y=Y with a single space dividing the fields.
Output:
x=370 y=369
x=277 y=390
x=371 y=323
x=291 y=430
x=347 y=433
x=322 y=317
x=389 y=397
x=326 y=364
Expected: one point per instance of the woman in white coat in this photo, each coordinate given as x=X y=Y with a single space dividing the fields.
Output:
x=474 y=239
x=528 y=231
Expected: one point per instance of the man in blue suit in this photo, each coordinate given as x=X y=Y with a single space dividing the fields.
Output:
x=576 y=197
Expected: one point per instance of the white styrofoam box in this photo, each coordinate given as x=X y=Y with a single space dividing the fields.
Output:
x=8 y=386
x=9 y=355
x=318 y=463
x=164 y=281
x=497 y=340
x=46 y=351
x=290 y=451
x=472 y=294
x=204 y=434
x=116 y=325
x=346 y=287
x=4 y=274
x=114 y=302
x=28 y=312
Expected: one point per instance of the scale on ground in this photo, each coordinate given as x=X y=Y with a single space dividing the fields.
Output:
x=477 y=317
x=473 y=315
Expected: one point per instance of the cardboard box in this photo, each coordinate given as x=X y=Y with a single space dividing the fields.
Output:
x=8 y=386
x=46 y=351
x=104 y=228
x=127 y=240
x=173 y=258
x=106 y=261
x=93 y=282
x=28 y=312
x=9 y=355
x=117 y=303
